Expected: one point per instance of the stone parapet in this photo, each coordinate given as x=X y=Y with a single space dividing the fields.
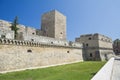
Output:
x=34 y=44
x=18 y=55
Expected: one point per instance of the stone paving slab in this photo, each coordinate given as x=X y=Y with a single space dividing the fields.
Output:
x=116 y=70
x=105 y=72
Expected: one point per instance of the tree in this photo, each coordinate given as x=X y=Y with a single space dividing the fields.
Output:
x=14 y=26
x=116 y=46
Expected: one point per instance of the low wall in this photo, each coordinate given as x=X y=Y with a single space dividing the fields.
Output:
x=17 y=57
x=105 y=72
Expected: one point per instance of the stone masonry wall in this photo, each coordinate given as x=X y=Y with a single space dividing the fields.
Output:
x=96 y=46
x=48 y=24
x=5 y=25
x=60 y=26
x=16 y=55
x=48 y=40
x=98 y=54
x=90 y=54
x=105 y=44
x=53 y=24
x=106 y=54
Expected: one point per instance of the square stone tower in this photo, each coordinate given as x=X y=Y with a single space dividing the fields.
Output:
x=54 y=25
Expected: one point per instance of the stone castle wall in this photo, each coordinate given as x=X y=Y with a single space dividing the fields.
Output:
x=48 y=24
x=97 y=53
x=60 y=26
x=89 y=54
x=96 y=46
x=53 y=24
x=105 y=44
x=106 y=54
x=7 y=34
x=5 y=30
x=5 y=25
x=46 y=40
x=95 y=40
x=17 y=55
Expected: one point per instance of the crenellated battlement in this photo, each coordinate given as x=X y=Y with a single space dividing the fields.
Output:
x=37 y=44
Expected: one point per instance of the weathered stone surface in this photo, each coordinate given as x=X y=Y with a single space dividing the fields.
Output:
x=13 y=57
x=54 y=25
x=96 y=46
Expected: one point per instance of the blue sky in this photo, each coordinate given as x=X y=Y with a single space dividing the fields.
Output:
x=83 y=16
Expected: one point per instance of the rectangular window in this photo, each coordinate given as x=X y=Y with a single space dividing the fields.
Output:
x=86 y=45
x=2 y=36
x=91 y=55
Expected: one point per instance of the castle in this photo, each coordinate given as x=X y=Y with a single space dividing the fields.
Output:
x=35 y=48
x=96 y=46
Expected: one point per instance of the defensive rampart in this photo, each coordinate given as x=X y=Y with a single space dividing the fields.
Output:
x=20 y=55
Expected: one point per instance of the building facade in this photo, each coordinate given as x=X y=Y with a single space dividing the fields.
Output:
x=96 y=46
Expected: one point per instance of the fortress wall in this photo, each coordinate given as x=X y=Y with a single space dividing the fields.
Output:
x=96 y=46
x=105 y=44
x=106 y=54
x=90 y=54
x=5 y=25
x=45 y=40
x=48 y=24
x=104 y=38
x=31 y=31
x=15 y=57
x=6 y=34
x=96 y=53
x=48 y=40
